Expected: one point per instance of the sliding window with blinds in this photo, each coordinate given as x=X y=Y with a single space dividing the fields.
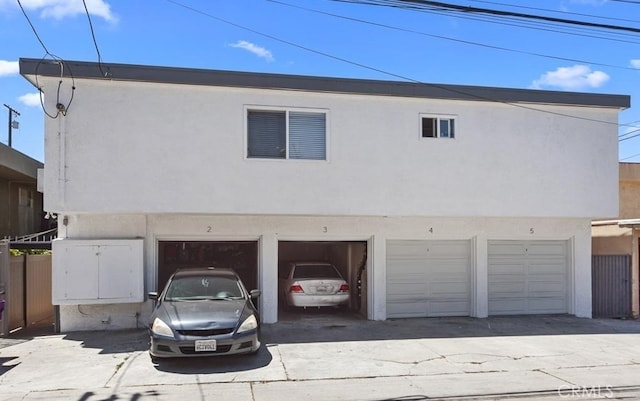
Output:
x=276 y=134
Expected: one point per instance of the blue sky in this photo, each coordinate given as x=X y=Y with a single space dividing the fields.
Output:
x=329 y=38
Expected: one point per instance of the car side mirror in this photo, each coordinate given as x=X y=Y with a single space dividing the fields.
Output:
x=255 y=293
x=153 y=295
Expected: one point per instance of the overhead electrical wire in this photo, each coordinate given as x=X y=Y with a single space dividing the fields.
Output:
x=555 y=11
x=575 y=29
x=378 y=70
x=626 y=1
x=538 y=26
x=630 y=157
x=93 y=36
x=60 y=107
x=487 y=11
x=449 y=38
x=34 y=29
x=632 y=136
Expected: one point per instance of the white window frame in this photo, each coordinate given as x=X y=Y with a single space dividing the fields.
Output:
x=287 y=110
x=439 y=118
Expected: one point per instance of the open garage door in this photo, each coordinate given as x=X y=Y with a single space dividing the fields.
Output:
x=528 y=277
x=242 y=256
x=349 y=257
x=428 y=278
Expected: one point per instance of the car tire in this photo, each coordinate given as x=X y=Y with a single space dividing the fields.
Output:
x=155 y=360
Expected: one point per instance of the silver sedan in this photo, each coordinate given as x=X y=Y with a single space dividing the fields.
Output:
x=313 y=284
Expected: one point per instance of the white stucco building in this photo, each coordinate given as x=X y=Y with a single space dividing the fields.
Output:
x=443 y=200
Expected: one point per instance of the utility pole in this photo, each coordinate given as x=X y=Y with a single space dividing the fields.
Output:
x=11 y=123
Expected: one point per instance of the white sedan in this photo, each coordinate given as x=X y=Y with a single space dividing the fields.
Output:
x=313 y=284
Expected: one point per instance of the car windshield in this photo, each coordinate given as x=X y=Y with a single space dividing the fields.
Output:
x=196 y=288
x=315 y=271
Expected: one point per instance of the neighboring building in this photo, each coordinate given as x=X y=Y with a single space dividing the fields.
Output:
x=444 y=200
x=21 y=212
x=621 y=236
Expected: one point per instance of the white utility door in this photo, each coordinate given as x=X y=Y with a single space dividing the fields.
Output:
x=428 y=278
x=528 y=277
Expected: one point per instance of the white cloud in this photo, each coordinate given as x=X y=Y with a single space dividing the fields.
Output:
x=635 y=63
x=59 y=9
x=571 y=78
x=30 y=99
x=255 y=49
x=8 y=68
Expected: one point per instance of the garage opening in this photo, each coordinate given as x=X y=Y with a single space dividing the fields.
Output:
x=349 y=258
x=242 y=256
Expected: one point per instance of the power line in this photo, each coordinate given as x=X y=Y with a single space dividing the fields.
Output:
x=626 y=1
x=93 y=36
x=33 y=28
x=381 y=71
x=519 y=23
x=632 y=136
x=555 y=11
x=449 y=38
x=60 y=107
x=630 y=157
x=488 y=11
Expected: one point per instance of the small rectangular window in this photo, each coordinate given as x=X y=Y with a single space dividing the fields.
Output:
x=438 y=127
x=282 y=134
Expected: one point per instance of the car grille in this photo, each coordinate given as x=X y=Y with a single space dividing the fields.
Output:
x=205 y=333
x=192 y=350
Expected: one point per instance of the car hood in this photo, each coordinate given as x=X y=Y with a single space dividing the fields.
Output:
x=201 y=315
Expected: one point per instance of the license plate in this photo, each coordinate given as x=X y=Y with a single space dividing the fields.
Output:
x=322 y=288
x=205 y=345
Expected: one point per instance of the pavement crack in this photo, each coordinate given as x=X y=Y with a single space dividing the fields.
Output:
x=117 y=368
x=414 y=363
x=469 y=353
x=284 y=367
x=554 y=376
x=517 y=358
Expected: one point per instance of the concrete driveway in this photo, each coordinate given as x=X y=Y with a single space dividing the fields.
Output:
x=330 y=357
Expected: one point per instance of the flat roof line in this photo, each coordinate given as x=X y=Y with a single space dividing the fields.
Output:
x=193 y=76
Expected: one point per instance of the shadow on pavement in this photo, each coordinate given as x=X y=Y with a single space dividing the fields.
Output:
x=216 y=364
x=113 y=341
x=3 y=368
x=323 y=328
x=89 y=396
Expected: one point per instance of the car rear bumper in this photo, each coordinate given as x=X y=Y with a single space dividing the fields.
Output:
x=164 y=347
x=306 y=300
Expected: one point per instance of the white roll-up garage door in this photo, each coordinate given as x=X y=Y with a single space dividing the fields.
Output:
x=428 y=278
x=528 y=277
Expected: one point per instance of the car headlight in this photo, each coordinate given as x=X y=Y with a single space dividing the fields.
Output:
x=161 y=328
x=250 y=323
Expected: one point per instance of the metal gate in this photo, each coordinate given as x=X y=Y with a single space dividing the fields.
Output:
x=611 y=285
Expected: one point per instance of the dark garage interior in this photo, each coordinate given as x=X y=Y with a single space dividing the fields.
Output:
x=242 y=256
x=350 y=257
